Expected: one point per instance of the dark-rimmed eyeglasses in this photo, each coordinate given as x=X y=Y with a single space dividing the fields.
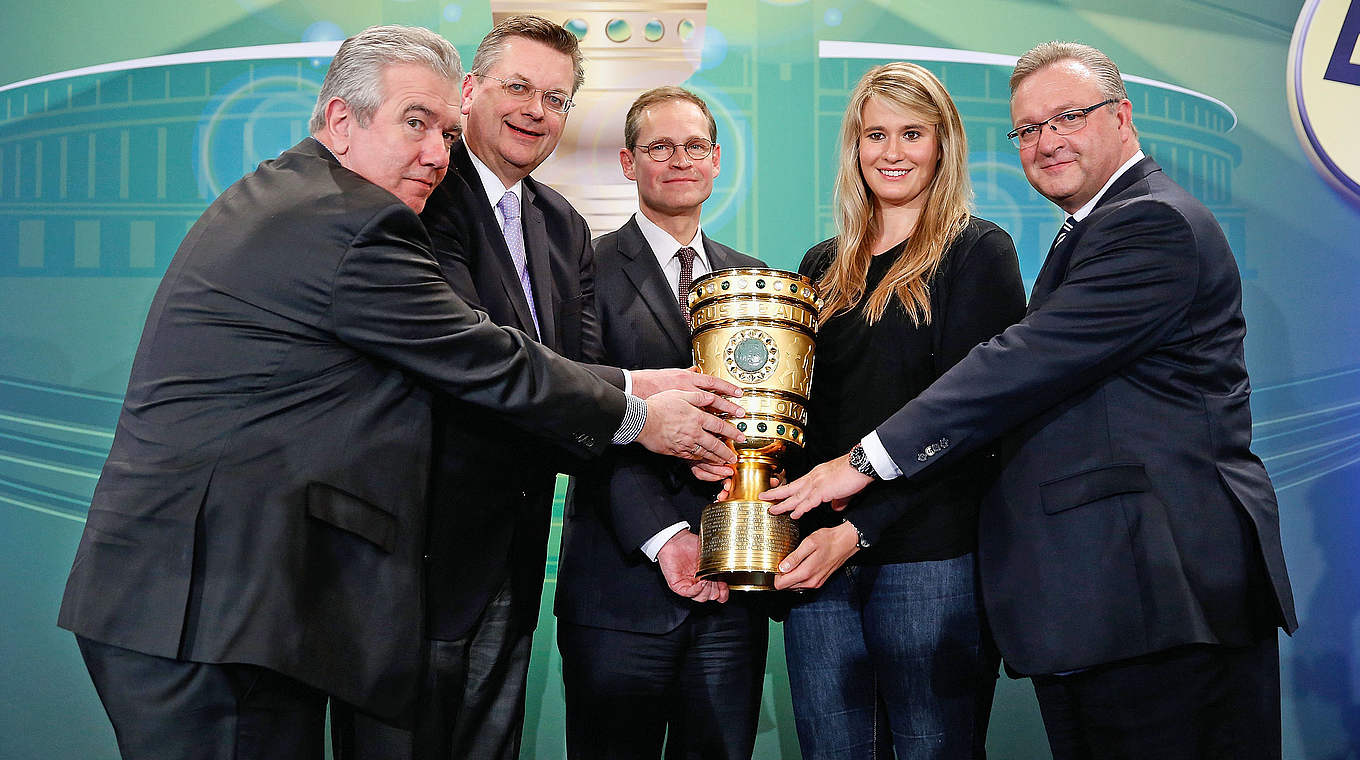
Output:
x=662 y=150
x=1065 y=123
x=553 y=100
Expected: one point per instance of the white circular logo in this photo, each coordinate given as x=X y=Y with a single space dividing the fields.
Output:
x=1324 y=89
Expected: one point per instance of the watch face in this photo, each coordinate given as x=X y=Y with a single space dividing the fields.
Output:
x=858 y=457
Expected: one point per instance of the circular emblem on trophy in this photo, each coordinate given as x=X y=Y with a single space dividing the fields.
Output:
x=1324 y=89
x=751 y=355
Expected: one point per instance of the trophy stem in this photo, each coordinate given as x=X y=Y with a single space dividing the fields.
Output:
x=752 y=477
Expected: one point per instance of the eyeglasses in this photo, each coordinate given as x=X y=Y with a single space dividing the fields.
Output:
x=553 y=100
x=1065 y=123
x=662 y=150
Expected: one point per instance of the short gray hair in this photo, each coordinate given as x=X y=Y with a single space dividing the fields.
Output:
x=355 y=74
x=1045 y=54
x=534 y=28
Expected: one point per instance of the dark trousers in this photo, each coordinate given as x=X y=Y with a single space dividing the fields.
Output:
x=164 y=709
x=697 y=688
x=471 y=702
x=1200 y=702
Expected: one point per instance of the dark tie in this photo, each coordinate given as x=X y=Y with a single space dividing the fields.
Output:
x=1068 y=224
x=514 y=240
x=686 y=256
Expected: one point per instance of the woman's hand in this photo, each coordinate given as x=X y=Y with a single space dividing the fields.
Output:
x=817 y=557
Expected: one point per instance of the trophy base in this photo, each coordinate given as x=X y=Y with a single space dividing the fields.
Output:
x=742 y=544
x=738 y=580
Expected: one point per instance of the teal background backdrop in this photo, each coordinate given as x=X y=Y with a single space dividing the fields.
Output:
x=102 y=173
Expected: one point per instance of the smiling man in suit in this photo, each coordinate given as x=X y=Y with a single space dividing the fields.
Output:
x=254 y=543
x=649 y=653
x=1130 y=551
x=515 y=249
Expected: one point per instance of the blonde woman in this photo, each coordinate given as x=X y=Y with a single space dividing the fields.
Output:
x=890 y=652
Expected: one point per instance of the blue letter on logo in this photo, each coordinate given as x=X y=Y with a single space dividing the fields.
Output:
x=1340 y=68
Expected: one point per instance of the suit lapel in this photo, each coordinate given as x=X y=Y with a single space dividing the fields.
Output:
x=719 y=255
x=1054 y=270
x=536 y=247
x=645 y=273
x=498 y=258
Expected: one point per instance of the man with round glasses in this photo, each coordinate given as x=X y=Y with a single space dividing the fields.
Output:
x=517 y=250
x=650 y=655
x=1129 y=554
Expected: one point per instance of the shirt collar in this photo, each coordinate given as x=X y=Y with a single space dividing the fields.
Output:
x=1082 y=212
x=664 y=246
x=492 y=184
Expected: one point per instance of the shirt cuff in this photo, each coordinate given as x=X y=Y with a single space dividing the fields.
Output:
x=634 y=417
x=653 y=545
x=627 y=381
x=883 y=464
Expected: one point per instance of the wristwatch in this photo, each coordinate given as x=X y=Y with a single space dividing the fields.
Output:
x=859 y=460
x=860 y=540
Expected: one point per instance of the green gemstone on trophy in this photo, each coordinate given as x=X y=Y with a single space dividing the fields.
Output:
x=751 y=354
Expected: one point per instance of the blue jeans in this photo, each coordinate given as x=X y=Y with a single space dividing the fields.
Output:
x=892 y=658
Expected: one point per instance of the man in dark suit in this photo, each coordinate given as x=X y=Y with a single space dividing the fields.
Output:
x=516 y=249
x=649 y=655
x=254 y=544
x=1130 y=551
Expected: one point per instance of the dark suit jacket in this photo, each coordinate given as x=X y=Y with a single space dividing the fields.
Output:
x=493 y=487
x=619 y=502
x=264 y=500
x=1130 y=515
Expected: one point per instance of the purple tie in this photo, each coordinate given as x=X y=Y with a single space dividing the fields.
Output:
x=686 y=256
x=514 y=240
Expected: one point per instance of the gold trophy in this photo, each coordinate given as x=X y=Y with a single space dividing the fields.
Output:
x=754 y=328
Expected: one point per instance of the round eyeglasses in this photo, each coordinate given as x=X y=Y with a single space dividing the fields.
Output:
x=1065 y=123
x=553 y=100
x=662 y=150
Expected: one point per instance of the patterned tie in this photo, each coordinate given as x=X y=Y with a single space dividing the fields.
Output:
x=514 y=240
x=1068 y=224
x=686 y=256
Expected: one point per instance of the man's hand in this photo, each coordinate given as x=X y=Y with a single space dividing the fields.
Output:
x=817 y=557
x=649 y=382
x=703 y=470
x=711 y=473
x=833 y=481
x=679 y=562
x=678 y=425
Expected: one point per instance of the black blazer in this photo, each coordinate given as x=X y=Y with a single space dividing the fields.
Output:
x=493 y=487
x=620 y=501
x=1130 y=514
x=264 y=500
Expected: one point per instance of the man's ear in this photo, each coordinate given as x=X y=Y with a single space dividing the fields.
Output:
x=626 y=161
x=340 y=122
x=717 y=159
x=469 y=84
x=1124 y=113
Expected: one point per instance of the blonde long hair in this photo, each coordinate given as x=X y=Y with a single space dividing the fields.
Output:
x=908 y=87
